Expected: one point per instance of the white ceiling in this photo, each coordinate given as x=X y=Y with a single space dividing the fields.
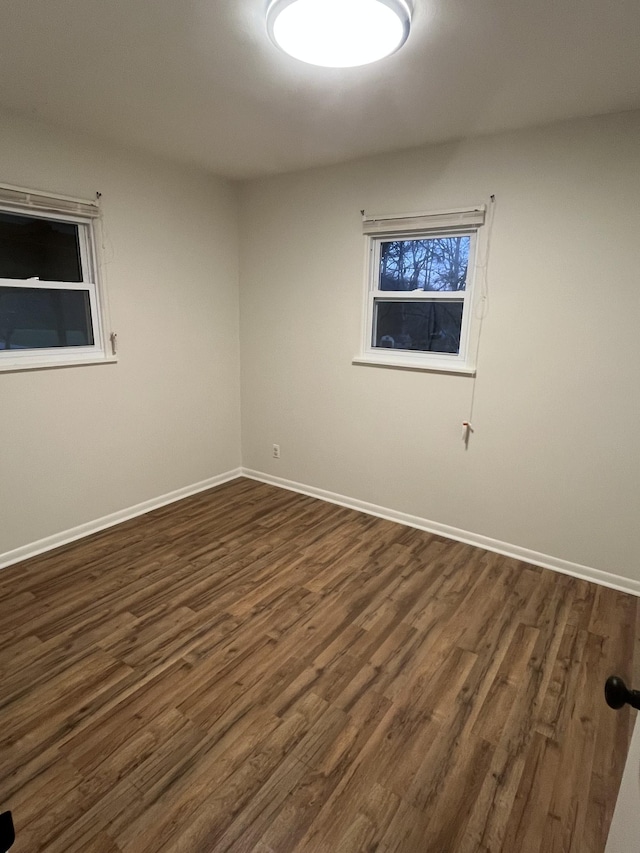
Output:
x=199 y=80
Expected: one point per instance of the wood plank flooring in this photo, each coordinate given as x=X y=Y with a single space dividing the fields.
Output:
x=255 y=670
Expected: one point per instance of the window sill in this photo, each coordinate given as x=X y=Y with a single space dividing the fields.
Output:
x=411 y=364
x=51 y=365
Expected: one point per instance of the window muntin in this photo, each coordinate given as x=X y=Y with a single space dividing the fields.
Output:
x=50 y=311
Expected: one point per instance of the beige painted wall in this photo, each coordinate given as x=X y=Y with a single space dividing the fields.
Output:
x=79 y=443
x=554 y=463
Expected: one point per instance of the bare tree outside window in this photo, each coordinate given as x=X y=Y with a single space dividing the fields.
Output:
x=434 y=264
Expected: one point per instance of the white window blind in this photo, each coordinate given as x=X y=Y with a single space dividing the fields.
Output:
x=415 y=223
x=43 y=203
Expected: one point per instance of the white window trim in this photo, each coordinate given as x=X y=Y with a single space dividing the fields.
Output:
x=86 y=214
x=379 y=229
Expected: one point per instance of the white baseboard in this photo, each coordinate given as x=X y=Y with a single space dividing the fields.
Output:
x=534 y=557
x=82 y=530
x=526 y=555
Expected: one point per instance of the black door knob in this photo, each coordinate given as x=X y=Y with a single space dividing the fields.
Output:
x=618 y=694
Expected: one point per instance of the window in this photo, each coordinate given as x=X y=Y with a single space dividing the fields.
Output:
x=50 y=307
x=419 y=301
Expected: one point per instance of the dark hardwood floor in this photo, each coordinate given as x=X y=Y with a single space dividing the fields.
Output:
x=255 y=670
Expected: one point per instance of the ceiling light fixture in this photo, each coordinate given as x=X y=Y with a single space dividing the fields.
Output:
x=339 y=33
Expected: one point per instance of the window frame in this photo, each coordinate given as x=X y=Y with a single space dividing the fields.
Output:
x=37 y=205
x=419 y=227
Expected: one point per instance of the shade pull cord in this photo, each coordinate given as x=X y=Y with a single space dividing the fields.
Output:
x=482 y=310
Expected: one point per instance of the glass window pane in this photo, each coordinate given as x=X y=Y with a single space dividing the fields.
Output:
x=422 y=326
x=39 y=248
x=36 y=318
x=438 y=263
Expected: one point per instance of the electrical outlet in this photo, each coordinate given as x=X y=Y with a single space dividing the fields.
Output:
x=276 y=451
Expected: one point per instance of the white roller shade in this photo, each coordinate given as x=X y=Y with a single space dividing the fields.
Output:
x=443 y=220
x=40 y=202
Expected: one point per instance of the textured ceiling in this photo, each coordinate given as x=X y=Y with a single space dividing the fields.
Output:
x=201 y=82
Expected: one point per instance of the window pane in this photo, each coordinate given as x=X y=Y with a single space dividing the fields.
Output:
x=39 y=248
x=438 y=263
x=422 y=326
x=35 y=318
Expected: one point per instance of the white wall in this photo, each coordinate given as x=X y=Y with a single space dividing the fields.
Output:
x=625 y=826
x=553 y=465
x=79 y=443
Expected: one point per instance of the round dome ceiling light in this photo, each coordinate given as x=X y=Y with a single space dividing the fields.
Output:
x=339 y=33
